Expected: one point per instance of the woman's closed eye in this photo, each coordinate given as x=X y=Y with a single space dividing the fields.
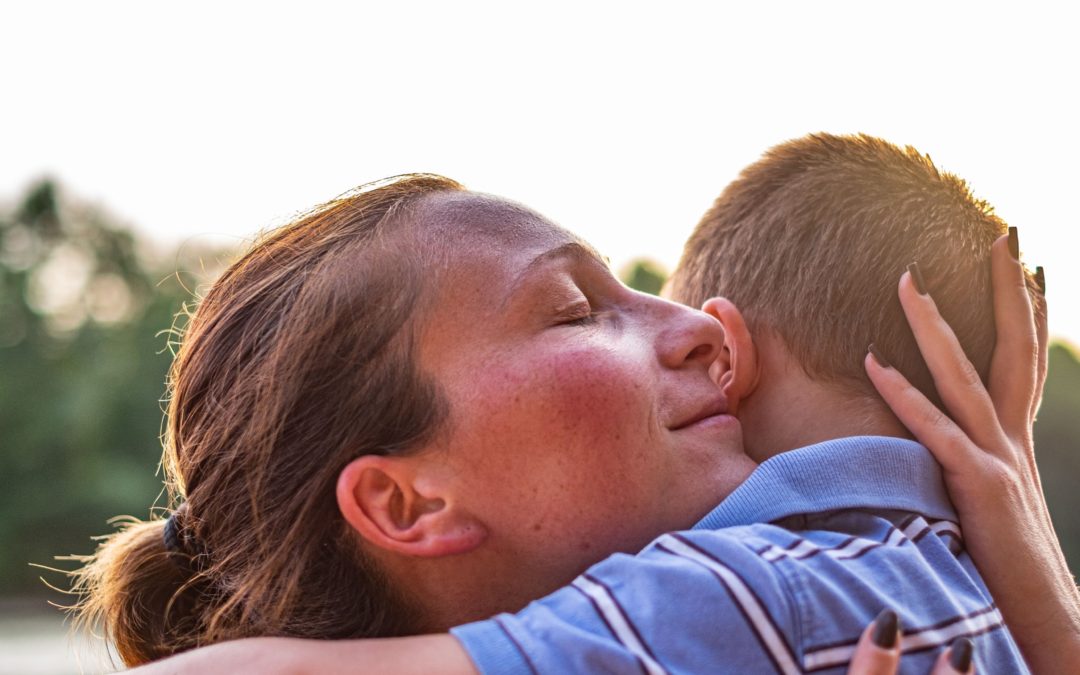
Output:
x=581 y=321
x=580 y=314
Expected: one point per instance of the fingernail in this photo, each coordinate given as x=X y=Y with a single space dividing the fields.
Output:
x=917 y=278
x=1014 y=243
x=960 y=656
x=886 y=625
x=881 y=361
x=1040 y=279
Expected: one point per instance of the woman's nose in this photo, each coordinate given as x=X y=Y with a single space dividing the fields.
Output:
x=688 y=337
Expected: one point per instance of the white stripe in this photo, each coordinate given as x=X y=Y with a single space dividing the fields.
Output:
x=915 y=528
x=852 y=549
x=848 y=550
x=838 y=656
x=774 y=553
x=944 y=526
x=746 y=599
x=895 y=538
x=623 y=632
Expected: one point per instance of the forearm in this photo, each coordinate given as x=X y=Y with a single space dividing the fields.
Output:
x=434 y=654
x=1037 y=594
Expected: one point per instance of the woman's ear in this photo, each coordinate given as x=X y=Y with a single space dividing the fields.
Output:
x=736 y=370
x=381 y=498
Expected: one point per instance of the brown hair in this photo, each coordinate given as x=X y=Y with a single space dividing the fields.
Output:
x=298 y=360
x=810 y=241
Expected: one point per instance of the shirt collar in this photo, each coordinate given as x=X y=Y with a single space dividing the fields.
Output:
x=874 y=472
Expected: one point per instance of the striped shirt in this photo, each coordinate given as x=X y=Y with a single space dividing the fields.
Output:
x=782 y=576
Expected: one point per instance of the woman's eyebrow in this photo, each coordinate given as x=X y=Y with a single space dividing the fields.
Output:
x=574 y=250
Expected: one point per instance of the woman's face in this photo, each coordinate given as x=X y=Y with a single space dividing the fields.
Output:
x=583 y=419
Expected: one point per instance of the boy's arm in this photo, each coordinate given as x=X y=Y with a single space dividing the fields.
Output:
x=589 y=626
x=435 y=654
x=424 y=654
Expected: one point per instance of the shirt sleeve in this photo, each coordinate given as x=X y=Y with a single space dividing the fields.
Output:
x=698 y=601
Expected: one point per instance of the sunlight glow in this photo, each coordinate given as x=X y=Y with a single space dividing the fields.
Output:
x=622 y=121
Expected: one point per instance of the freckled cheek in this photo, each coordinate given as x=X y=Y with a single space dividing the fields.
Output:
x=601 y=417
x=566 y=436
x=594 y=398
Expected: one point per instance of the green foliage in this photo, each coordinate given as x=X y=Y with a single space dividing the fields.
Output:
x=83 y=360
x=1057 y=435
x=644 y=275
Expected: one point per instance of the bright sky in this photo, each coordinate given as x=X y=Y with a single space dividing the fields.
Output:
x=622 y=120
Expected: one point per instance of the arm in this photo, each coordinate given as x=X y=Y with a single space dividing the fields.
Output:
x=434 y=654
x=582 y=644
x=987 y=453
x=422 y=655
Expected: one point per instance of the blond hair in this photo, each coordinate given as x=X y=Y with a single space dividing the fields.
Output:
x=810 y=241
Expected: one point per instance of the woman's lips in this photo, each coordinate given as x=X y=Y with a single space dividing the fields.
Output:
x=719 y=420
x=706 y=415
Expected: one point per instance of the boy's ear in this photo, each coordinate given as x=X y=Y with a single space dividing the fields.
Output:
x=393 y=505
x=737 y=368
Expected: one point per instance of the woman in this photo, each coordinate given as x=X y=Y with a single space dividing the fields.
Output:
x=300 y=375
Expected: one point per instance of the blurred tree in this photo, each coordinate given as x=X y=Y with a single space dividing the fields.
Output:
x=83 y=358
x=642 y=274
x=1057 y=437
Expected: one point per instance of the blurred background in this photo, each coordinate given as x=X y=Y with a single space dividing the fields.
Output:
x=141 y=146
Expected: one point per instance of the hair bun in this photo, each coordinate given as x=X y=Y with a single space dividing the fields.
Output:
x=180 y=543
x=171 y=535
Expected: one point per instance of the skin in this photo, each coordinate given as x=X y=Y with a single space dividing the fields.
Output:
x=578 y=410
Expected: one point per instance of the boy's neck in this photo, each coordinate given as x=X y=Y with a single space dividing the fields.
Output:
x=788 y=410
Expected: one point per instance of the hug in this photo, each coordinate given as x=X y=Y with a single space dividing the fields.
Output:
x=423 y=411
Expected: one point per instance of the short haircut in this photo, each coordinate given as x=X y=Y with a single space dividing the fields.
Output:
x=810 y=242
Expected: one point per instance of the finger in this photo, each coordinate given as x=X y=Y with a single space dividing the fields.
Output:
x=1043 y=337
x=1039 y=303
x=931 y=427
x=956 y=659
x=957 y=381
x=1014 y=364
x=872 y=659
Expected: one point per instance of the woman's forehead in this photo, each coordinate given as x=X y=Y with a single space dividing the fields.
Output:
x=479 y=248
x=460 y=216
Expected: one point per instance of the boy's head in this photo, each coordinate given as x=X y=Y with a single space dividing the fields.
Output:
x=810 y=241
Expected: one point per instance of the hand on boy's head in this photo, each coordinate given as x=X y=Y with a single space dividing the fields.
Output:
x=987 y=451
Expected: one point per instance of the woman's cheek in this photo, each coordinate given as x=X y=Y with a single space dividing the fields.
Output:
x=577 y=416
x=595 y=396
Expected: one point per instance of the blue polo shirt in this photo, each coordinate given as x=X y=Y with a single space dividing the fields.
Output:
x=783 y=575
